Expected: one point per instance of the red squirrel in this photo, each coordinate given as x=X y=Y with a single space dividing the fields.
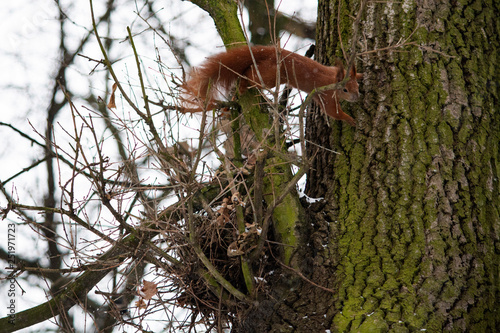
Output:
x=221 y=71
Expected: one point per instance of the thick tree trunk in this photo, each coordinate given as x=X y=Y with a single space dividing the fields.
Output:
x=413 y=195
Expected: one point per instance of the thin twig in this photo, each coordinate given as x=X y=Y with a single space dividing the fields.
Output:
x=354 y=36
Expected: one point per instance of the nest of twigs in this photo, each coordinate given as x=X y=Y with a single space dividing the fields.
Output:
x=218 y=236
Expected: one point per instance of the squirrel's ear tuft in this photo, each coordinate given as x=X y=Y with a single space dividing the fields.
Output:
x=352 y=72
x=359 y=76
x=341 y=71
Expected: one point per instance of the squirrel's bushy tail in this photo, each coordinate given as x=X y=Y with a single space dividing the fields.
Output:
x=218 y=74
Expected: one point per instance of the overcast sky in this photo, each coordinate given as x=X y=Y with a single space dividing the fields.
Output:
x=29 y=58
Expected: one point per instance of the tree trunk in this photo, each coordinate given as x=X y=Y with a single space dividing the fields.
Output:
x=413 y=197
x=407 y=236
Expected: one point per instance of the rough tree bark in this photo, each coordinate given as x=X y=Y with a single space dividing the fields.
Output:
x=411 y=210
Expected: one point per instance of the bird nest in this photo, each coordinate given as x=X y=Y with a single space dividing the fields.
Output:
x=218 y=236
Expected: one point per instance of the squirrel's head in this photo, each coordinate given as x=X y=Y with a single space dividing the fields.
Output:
x=350 y=92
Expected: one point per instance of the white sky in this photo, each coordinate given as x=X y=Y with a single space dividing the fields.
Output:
x=29 y=57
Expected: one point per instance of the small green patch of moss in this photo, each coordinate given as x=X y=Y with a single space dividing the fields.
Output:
x=373 y=323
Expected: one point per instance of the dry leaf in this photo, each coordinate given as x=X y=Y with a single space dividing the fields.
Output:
x=141 y=304
x=236 y=198
x=224 y=212
x=111 y=103
x=148 y=290
x=233 y=250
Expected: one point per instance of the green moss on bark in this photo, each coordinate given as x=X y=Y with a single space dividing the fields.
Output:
x=414 y=189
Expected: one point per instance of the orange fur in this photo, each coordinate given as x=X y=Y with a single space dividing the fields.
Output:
x=259 y=69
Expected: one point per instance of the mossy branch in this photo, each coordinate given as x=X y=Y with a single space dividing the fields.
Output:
x=225 y=16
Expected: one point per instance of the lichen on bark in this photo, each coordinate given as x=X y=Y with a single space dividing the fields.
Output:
x=413 y=195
